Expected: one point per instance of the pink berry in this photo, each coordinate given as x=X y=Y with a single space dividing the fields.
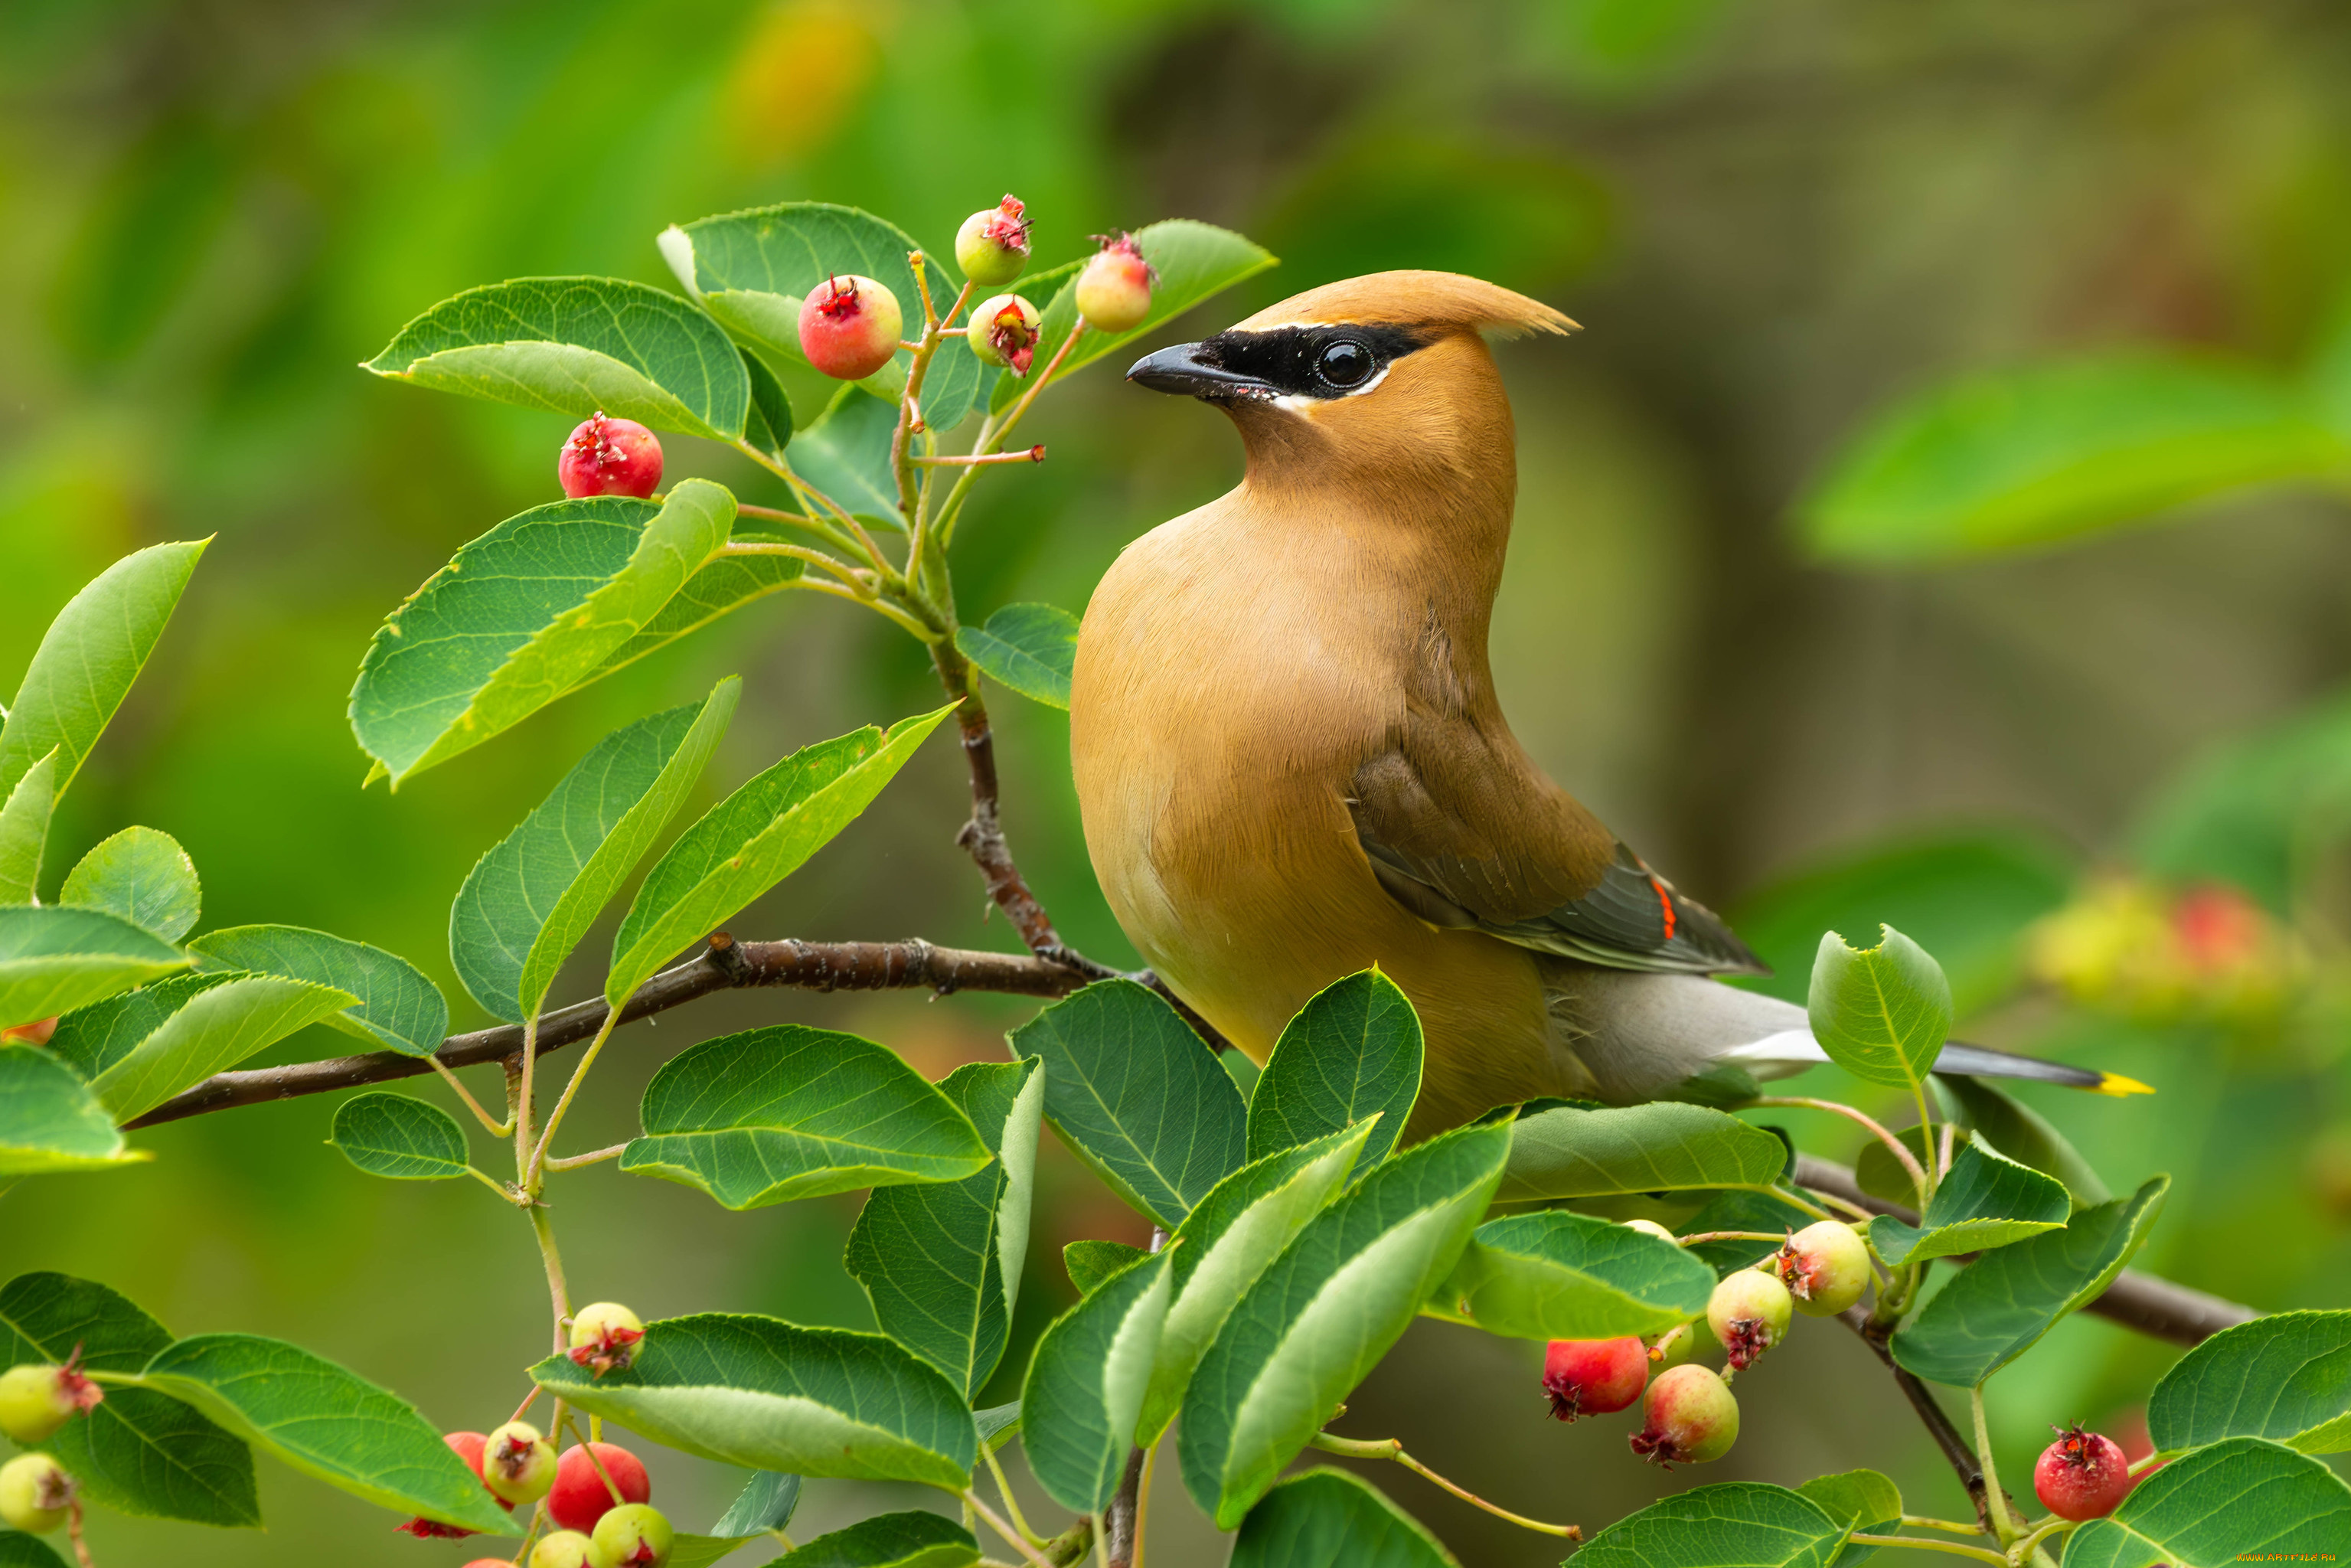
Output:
x=517 y=1464
x=1688 y=1418
x=1004 y=331
x=581 y=1498
x=608 y=456
x=849 y=327
x=2081 y=1475
x=38 y=1032
x=1115 y=290
x=1748 y=1312
x=992 y=246
x=1825 y=1267
x=1594 y=1377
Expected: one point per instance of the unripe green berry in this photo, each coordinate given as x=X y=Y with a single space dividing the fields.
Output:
x=850 y=327
x=569 y=1549
x=1687 y=1418
x=635 y=1535
x=35 y=1401
x=605 y=1337
x=1114 y=292
x=1004 y=331
x=1651 y=1228
x=992 y=246
x=1749 y=1314
x=517 y=1464
x=35 y=1493
x=1825 y=1268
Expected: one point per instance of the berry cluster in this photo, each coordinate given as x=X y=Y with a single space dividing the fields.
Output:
x=37 y=1495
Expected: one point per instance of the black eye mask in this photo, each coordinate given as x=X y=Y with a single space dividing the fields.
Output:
x=1287 y=361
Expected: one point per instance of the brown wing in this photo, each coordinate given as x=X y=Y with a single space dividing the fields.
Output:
x=1462 y=830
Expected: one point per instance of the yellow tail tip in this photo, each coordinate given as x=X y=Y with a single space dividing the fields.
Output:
x=2114 y=1084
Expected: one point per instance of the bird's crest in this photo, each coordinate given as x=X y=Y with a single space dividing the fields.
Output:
x=1441 y=302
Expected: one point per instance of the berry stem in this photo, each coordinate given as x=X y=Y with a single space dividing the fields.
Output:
x=1012 y=1503
x=558 y=1295
x=1788 y=1198
x=73 y=1534
x=1901 y=1152
x=1923 y=1545
x=848 y=574
x=2003 y=1523
x=1694 y=1238
x=596 y=1461
x=993 y=432
x=1393 y=1448
x=995 y=1524
x=2049 y=1527
x=1034 y=454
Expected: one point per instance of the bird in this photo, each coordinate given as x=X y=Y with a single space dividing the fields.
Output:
x=1291 y=764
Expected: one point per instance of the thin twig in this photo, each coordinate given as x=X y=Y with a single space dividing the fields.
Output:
x=1923 y=1545
x=1393 y=1448
x=1004 y=1490
x=2002 y=1522
x=1955 y=1449
x=995 y=1524
x=1951 y=1526
x=497 y=1129
x=1909 y=1163
x=1033 y=455
x=594 y=1158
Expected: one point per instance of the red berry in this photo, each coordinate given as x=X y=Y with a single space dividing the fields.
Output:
x=608 y=456
x=581 y=1498
x=1004 y=331
x=1114 y=292
x=2081 y=1475
x=1688 y=1418
x=38 y=1032
x=849 y=327
x=1594 y=1377
x=992 y=246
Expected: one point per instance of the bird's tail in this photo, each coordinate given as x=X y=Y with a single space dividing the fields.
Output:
x=1793 y=1048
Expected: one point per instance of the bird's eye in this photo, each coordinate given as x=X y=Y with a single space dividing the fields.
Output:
x=1345 y=363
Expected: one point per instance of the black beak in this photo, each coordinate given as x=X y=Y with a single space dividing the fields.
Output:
x=1189 y=369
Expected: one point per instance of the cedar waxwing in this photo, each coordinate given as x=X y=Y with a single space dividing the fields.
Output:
x=1291 y=764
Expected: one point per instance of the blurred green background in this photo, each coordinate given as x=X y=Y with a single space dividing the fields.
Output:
x=1775 y=218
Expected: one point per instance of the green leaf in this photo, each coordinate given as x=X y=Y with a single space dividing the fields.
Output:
x=18 y=1549
x=771 y=1395
x=136 y=1451
x=1031 y=649
x=1329 y=1308
x=915 y=1538
x=328 y=1423
x=576 y=345
x=1353 y=1050
x=2243 y=1500
x=398 y=1007
x=1194 y=261
x=1880 y=1174
x=1986 y=1200
x=1998 y=1118
x=998 y=1425
x=2011 y=461
x=398 y=1137
x=530 y=900
x=1231 y=1239
x=49 y=1121
x=1328 y=1519
x=941 y=1261
x=1137 y=1096
x=87 y=659
x=524 y=614
x=720 y=587
x=687 y=1549
x=53 y=960
x=1089 y=1371
x=1999 y=1305
x=142 y=875
x=1739 y=1524
x=768 y=424
x=846 y=454
x=1089 y=1261
x=1863 y=1501
x=789 y=1112
x=25 y=831
x=139 y=1049
x=767 y=1501
x=1555 y=1275
x=753 y=839
x=2286 y=1378
x=1882 y=1013
x=1742 y=1211
x=1664 y=1147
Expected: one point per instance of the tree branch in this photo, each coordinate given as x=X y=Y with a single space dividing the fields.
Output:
x=2142 y=1302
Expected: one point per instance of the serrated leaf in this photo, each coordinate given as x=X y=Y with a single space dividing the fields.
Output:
x=400 y=1138
x=575 y=346
x=753 y=839
x=398 y=1008
x=18 y=1549
x=1998 y=1306
x=1229 y=1239
x=2286 y=1378
x=49 y=1121
x=142 y=875
x=1762 y=1211
x=789 y=1111
x=136 y=1451
x=767 y=424
x=328 y=1423
x=1194 y=261
x=2023 y=458
x=767 y=1501
x=998 y=1425
x=1137 y=1096
x=87 y=659
x=2242 y=1501
x=1090 y=1370
x=1881 y=1013
x=139 y=1049
x=530 y=900
x=1555 y=1275
x=1863 y=1501
x=1664 y=1147
x=1985 y=1200
x=914 y=1538
x=720 y=587
x=1328 y=1519
x=1090 y=1261
x=1353 y=1050
x=1329 y=1308
x=524 y=614
x=2025 y=1135
x=1739 y=1524
x=771 y=1395
x=25 y=831
x=1031 y=649
x=846 y=454
x=54 y=960
x=941 y=1261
